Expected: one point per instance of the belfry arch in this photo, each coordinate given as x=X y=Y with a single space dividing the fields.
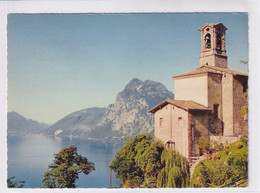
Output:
x=208 y=41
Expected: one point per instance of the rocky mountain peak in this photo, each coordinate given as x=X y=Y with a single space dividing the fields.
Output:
x=147 y=90
x=133 y=83
x=129 y=114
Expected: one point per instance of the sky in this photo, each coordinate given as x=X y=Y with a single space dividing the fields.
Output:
x=62 y=63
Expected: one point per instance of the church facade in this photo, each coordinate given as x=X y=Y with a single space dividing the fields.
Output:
x=208 y=100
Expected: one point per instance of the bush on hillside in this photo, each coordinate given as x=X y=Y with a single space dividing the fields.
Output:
x=222 y=167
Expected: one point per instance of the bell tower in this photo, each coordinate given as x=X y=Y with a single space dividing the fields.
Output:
x=213 y=49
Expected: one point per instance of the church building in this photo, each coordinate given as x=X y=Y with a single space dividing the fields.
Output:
x=208 y=100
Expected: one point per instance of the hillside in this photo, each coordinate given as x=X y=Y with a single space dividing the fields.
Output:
x=77 y=124
x=226 y=167
x=19 y=125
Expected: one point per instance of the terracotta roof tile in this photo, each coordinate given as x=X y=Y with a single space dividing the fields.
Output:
x=212 y=69
x=186 y=105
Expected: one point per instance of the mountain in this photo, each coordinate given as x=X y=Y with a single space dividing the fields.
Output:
x=19 y=125
x=78 y=123
x=129 y=116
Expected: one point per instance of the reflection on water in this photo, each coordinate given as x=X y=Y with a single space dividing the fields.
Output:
x=29 y=157
x=57 y=140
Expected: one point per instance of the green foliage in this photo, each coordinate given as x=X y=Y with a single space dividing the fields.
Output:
x=148 y=156
x=204 y=144
x=65 y=169
x=222 y=167
x=143 y=162
x=217 y=146
x=124 y=163
x=245 y=108
x=14 y=184
x=175 y=172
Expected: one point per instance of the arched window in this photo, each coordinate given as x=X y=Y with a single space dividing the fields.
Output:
x=170 y=144
x=219 y=41
x=208 y=41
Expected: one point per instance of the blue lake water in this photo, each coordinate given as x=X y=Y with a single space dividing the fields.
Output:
x=29 y=157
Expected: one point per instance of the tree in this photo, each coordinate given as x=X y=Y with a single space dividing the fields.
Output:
x=175 y=172
x=144 y=162
x=124 y=164
x=148 y=158
x=65 y=169
x=14 y=184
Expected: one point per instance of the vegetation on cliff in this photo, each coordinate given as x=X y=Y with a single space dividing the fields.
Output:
x=226 y=167
x=144 y=162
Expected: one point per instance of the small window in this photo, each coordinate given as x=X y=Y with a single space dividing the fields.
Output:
x=179 y=121
x=216 y=106
x=161 y=122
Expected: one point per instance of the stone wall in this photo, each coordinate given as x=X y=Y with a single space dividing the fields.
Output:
x=215 y=98
x=199 y=119
x=233 y=88
x=223 y=139
x=207 y=60
x=213 y=60
x=220 y=60
x=215 y=92
x=239 y=102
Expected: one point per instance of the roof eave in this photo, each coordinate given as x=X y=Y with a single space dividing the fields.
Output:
x=157 y=107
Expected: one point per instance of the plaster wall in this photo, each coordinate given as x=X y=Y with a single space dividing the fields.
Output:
x=227 y=102
x=171 y=123
x=193 y=88
x=162 y=119
x=180 y=121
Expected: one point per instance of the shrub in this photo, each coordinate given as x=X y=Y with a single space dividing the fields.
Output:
x=226 y=166
x=204 y=144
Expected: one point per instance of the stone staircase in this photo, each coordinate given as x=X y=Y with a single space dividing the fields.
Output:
x=194 y=162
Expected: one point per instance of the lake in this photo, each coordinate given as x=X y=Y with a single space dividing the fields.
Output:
x=29 y=157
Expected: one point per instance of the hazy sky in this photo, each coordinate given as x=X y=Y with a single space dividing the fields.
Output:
x=61 y=63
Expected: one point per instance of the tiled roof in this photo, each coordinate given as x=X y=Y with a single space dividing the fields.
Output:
x=186 y=105
x=212 y=69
